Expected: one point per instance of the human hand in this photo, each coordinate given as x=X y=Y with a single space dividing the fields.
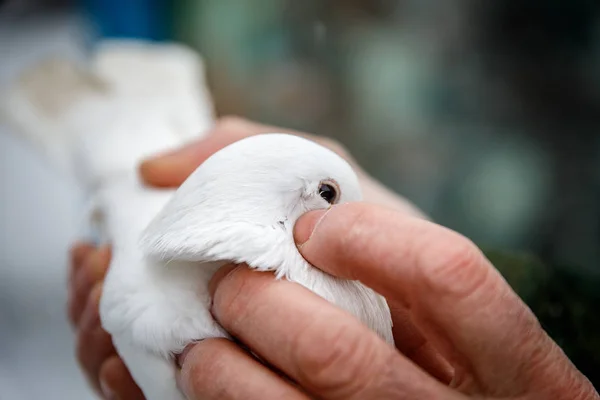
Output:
x=443 y=293
x=171 y=169
x=102 y=367
x=97 y=357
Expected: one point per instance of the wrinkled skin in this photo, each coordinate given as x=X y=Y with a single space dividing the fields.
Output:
x=461 y=332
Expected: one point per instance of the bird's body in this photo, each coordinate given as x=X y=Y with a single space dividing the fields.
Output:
x=239 y=206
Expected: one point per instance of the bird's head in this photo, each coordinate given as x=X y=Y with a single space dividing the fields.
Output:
x=241 y=204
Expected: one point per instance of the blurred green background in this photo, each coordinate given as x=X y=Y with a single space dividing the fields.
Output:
x=485 y=114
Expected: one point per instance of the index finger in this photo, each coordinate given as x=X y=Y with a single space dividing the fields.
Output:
x=171 y=169
x=325 y=349
x=454 y=293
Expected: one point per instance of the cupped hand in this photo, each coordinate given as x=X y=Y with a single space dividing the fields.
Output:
x=445 y=297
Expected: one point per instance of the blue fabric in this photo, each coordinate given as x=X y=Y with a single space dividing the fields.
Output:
x=139 y=19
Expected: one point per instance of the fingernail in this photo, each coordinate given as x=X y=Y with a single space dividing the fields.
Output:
x=306 y=225
x=169 y=161
x=107 y=393
x=180 y=358
x=218 y=277
x=172 y=168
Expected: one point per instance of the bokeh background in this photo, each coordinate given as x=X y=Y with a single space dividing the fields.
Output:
x=485 y=114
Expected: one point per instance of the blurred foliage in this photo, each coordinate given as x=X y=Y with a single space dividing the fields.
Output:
x=486 y=114
x=565 y=303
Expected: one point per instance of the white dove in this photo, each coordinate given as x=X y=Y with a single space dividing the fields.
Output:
x=239 y=206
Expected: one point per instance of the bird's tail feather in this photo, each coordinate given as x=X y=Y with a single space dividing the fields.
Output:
x=98 y=121
x=36 y=103
x=133 y=99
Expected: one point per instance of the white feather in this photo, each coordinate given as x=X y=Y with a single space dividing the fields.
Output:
x=238 y=206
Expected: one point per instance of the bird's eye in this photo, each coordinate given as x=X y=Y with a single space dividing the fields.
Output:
x=329 y=191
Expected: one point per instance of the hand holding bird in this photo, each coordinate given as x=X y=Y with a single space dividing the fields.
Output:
x=436 y=274
x=179 y=283
x=171 y=171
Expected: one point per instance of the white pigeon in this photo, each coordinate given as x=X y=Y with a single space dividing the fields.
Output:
x=239 y=206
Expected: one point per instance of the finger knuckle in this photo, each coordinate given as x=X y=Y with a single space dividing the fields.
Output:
x=204 y=364
x=235 y=296
x=453 y=265
x=354 y=243
x=338 y=364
